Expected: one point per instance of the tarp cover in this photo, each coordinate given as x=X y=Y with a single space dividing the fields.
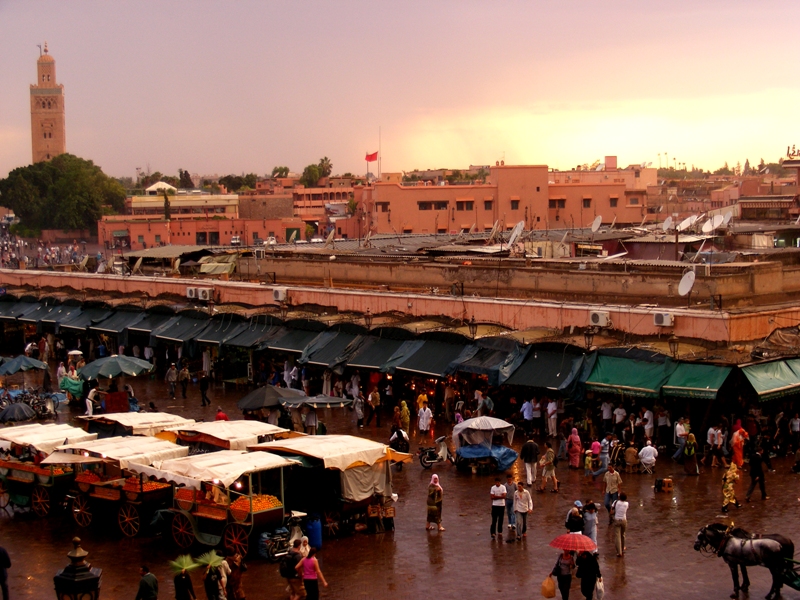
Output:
x=225 y=467
x=86 y=318
x=220 y=331
x=629 y=377
x=316 y=345
x=255 y=333
x=545 y=369
x=236 y=435
x=118 y=322
x=328 y=354
x=150 y=323
x=11 y=311
x=294 y=340
x=481 y=430
x=43 y=437
x=59 y=314
x=773 y=379
x=374 y=352
x=497 y=364
x=34 y=315
x=406 y=350
x=691 y=380
x=335 y=451
x=128 y=449
x=360 y=483
x=181 y=330
x=505 y=457
x=434 y=358
x=142 y=423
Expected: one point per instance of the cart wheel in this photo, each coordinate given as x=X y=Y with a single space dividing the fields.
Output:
x=3 y=494
x=182 y=532
x=128 y=519
x=40 y=501
x=81 y=511
x=332 y=521
x=235 y=539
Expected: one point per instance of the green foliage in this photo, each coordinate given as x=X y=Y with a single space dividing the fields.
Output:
x=167 y=212
x=66 y=192
x=20 y=230
x=325 y=167
x=234 y=183
x=352 y=206
x=310 y=176
x=724 y=170
x=280 y=172
x=310 y=231
x=185 y=180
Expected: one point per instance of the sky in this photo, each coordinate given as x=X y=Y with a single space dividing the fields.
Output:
x=233 y=87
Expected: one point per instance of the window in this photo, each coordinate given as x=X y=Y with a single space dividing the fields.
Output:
x=272 y=233
x=487 y=205
x=557 y=203
x=537 y=188
x=158 y=239
x=612 y=202
x=440 y=205
x=424 y=205
x=587 y=203
x=551 y=204
x=515 y=205
x=45 y=135
x=633 y=200
x=464 y=205
x=140 y=239
x=382 y=206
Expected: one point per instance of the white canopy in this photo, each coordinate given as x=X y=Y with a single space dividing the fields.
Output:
x=143 y=423
x=128 y=449
x=223 y=467
x=336 y=451
x=159 y=186
x=44 y=438
x=239 y=434
x=481 y=430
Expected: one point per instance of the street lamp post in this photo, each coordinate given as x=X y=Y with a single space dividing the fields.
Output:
x=368 y=319
x=78 y=580
x=473 y=327
x=588 y=337
x=674 y=344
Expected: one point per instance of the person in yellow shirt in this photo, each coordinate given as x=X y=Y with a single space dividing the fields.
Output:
x=422 y=398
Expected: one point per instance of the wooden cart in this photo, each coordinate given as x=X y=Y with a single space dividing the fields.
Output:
x=223 y=498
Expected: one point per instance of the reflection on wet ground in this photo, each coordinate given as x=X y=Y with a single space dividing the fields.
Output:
x=461 y=562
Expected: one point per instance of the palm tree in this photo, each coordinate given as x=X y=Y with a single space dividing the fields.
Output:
x=325 y=167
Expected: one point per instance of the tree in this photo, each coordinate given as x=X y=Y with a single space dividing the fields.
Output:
x=167 y=212
x=310 y=231
x=280 y=172
x=186 y=182
x=310 y=176
x=724 y=170
x=250 y=180
x=66 y=192
x=325 y=167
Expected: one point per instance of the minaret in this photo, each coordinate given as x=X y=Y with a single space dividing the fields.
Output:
x=48 y=131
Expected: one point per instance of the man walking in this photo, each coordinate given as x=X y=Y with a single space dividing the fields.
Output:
x=511 y=489
x=424 y=419
x=523 y=506
x=183 y=379
x=148 y=585
x=527 y=417
x=374 y=402
x=552 y=418
x=172 y=380
x=611 y=482
x=288 y=570
x=605 y=448
x=757 y=474
x=204 y=401
x=680 y=438
x=498 y=495
x=530 y=455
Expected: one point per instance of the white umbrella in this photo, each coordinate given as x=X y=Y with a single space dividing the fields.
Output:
x=481 y=430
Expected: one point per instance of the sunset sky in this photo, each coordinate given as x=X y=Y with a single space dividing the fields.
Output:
x=221 y=87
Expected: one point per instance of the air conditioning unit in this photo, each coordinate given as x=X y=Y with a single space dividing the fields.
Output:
x=599 y=318
x=279 y=294
x=663 y=319
x=191 y=293
x=205 y=294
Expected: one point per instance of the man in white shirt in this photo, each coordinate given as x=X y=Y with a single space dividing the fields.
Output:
x=498 y=494
x=648 y=455
x=424 y=418
x=537 y=416
x=608 y=410
x=794 y=429
x=552 y=418
x=90 y=400
x=620 y=510
x=680 y=438
x=649 y=427
x=620 y=414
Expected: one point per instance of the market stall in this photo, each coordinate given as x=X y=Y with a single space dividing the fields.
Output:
x=107 y=486
x=223 y=497
x=225 y=435
x=484 y=444
x=344 y=478
x=25 y=481
x=142 y=423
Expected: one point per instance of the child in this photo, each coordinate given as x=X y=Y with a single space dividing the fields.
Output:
x=587 y=464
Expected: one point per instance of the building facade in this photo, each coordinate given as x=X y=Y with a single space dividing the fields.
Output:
x=48 y=128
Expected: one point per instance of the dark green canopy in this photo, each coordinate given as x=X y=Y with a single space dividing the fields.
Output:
x=691 y=380
x=773 y=379
x=629 y=377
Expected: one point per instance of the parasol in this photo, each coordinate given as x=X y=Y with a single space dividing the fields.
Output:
x=114 y=366
x=17 y=412
x=319 y=401
x=481 y=430
x=74 y=353
x=269 y=395
x=21 y=363
x=575 y=542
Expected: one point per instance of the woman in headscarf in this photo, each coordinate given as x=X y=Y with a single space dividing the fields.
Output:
x=690 y=456
x=434 y=504
x=61 y=372
x=575 y=449
x=737 y=443
x=304 y=547
x=405 y=416
x=728 y=494
x=396 y=422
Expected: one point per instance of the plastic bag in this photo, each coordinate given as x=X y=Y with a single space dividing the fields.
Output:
x=549 y=587
x=599 y=590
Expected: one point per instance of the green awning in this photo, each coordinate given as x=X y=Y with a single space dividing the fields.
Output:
x=774 y=379
x=690 y=380
x=629 y=377
x=120 y=233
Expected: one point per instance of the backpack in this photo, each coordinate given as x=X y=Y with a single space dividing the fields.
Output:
x=287 y=567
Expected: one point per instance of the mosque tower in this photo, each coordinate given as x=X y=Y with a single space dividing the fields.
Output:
x=48 y=131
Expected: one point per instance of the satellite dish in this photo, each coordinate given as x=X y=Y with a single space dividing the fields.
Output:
x=649 y=164
x=614 y=220
x=493 y=233
x=137 y=266
x=685 y=224
x=667 y=224
x=599 y=168
x=564 y=237
x=708 y=227
x=329 y=241
x=694 y=219
x=718 y=219
x=686 y=284
x=473 y=228
x=727 y=218
x=293 y=237
x=176 y=265
x=598 y=220
x=516 y=232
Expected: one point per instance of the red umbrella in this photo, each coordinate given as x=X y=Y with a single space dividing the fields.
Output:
x=575 y=542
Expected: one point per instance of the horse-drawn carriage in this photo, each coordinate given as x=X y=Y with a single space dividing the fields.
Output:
x=26 y=479
x=225 y=497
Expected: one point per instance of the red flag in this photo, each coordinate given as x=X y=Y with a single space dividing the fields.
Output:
x=372 y=157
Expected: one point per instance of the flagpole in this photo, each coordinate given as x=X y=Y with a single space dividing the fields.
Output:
x=380 y=154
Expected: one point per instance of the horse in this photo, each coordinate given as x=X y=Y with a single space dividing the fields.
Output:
x=738 y=548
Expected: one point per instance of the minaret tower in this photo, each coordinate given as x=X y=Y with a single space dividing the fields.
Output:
x=48 y=130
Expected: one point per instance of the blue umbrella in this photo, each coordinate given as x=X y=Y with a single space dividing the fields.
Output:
x=17 y=412
x=20 y=363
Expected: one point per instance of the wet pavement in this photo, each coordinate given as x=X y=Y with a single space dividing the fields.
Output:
x=461 y=562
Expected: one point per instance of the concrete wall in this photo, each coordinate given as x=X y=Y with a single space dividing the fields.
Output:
x=266 y=206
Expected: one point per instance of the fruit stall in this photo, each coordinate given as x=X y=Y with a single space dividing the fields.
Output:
x=224 y=497
x=131 y=423
x=225 y=435
x=345 y=479
x=26 y=481
x=108 y=488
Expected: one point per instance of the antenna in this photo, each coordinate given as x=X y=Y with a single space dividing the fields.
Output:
x=686 y=284
x=516 y=232
x=176 y=265
x=667 y=224
x=598 y=220
x=644 y=218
